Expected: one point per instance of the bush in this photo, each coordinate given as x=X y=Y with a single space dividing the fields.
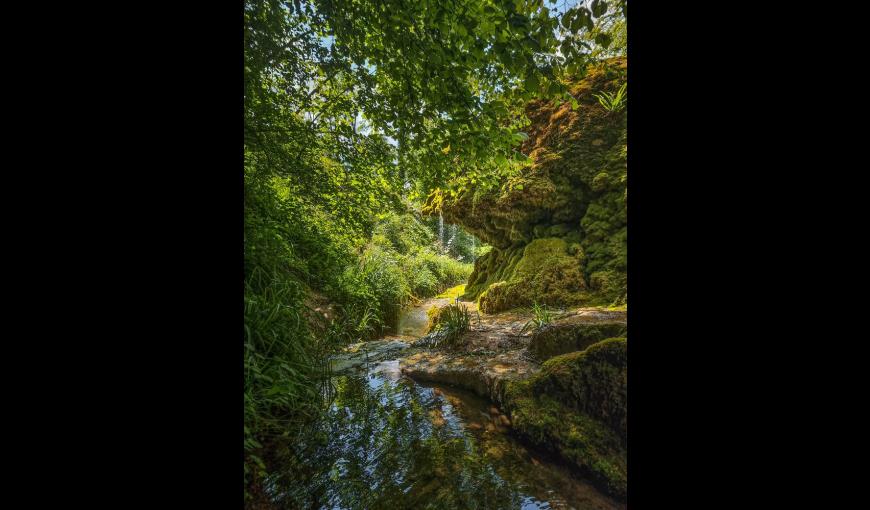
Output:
x=294 y=251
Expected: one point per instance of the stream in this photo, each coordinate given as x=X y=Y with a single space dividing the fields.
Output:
x=386 y=441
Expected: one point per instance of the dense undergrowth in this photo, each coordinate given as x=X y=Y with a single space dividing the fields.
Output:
x=311 y=286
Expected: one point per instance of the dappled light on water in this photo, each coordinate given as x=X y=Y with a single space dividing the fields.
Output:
x=388 y=442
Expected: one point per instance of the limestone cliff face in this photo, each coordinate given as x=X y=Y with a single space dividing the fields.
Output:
x=558 y=230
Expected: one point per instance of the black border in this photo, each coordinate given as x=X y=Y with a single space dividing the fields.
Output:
x=152 y=231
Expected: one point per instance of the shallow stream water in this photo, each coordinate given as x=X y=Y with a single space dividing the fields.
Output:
x=386 y=441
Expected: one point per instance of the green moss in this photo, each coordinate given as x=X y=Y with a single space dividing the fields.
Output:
x=575 y=190
x=593 y=381
x=546 y=271
x=453 y=292
x=586 y=443
x=494 y=266
x=435 y=314
x=576 y=406
x=557 y=339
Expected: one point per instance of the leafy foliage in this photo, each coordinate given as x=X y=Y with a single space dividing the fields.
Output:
x=354 y=111
x=613 y=102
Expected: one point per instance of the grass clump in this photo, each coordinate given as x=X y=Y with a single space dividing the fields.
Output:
x=541 y=317
x=448 y=323
x=613 y=102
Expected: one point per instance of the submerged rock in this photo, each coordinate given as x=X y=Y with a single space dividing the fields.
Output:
x=359 y=354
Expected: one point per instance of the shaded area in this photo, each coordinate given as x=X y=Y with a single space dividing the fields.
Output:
x=572 y=405
x=387 y=442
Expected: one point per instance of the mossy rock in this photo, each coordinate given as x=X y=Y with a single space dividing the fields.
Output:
x=586 y=443
x=545 y=272
x=575 y=189
x=556 y=339
x=592 y=381
x=434 y=314
x=576 y=407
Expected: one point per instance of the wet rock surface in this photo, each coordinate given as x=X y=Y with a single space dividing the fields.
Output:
x=551 y=392
x=358 y=356
x=414 y=440
x=576 y=333
x=496 y=349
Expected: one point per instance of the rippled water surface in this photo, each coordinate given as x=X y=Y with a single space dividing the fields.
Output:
x=388 y=442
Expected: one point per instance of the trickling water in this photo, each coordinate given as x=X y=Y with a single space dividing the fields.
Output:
x=441 y=229
x=387 y=442
x=452 y=236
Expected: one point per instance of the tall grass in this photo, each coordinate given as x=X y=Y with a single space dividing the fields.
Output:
x=453 y=321
x=286 y=346
x=541 y=316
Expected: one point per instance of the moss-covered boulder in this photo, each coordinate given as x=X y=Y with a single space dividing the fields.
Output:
x=574 y=191
x=434 y=315
x=562 y=338
x=576 y=407
x=546 y=271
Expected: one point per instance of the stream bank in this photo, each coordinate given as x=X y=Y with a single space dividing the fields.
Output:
x=561 y=387
x=388 y=440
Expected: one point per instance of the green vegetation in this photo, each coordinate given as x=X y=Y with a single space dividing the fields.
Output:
x=576 y=406
x=447 y=324
x=567 y=210
x=453 y=293
x=541 y=318
x=355 y=113
x=613 y=102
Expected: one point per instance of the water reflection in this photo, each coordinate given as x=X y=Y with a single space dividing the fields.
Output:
x=388 y=442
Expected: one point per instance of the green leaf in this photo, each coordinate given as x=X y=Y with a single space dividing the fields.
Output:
x=532 y=83
x=566 y=19
x=599 y=7
x=603 y=40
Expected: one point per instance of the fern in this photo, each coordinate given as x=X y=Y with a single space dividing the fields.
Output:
x=613 y=102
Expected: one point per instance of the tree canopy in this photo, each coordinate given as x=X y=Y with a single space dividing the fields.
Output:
x=435 y=86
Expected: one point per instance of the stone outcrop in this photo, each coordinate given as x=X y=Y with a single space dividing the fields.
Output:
x=573 y=404
x=573 y=335
x=576 y=406
x=558 y=229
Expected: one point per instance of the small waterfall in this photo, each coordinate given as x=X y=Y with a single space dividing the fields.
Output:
x=441 y=229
